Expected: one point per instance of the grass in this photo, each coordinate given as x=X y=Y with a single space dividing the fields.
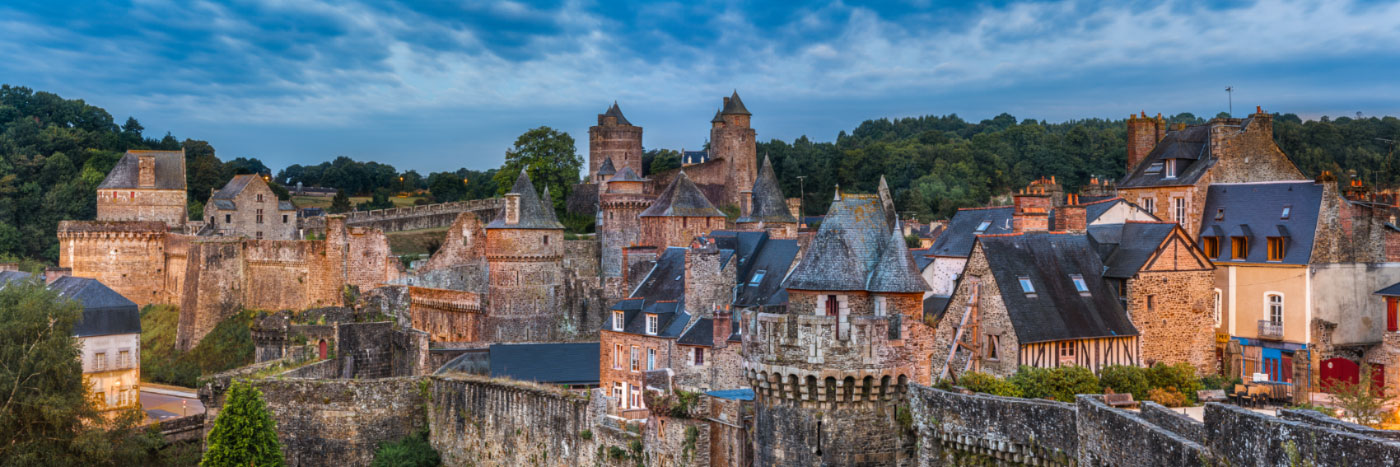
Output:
x=228 y=346
x=324 y=202
x=416 y=242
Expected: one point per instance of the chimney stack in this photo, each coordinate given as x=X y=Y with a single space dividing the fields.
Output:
x=147 y=176
x=723 y=327
x=53 y=274
x=745 y=203
x=1031 y=211
x=1143 y=134
x=1072 y=217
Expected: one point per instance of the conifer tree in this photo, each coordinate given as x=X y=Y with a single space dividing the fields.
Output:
x=244 y=434
x=341 y=202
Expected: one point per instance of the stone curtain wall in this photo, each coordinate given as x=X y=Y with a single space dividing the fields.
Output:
x=142 y=204
x=342 y=421
x=1109 y=436
x=672 y=442
x=428 y=216
x=128 y=257
x=378 y=350
x=954 y=427
x=1241 y=437
x=1175 y=422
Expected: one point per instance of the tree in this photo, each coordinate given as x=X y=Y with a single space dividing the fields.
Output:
x=46 y=415
x=244 y=434
x=447 y=186
x=550 y=158
x=341 y=202
x=1361 y=401
x=660 y=160
x=132 y=128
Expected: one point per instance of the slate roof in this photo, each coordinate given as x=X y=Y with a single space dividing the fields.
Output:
x=769 y=204
x=1137 y=241
x=170 y=170
x=717 y=118
x=607 y=167
x=284 y=205
x=961 y=233
x=756 y=252
x=682 y=199
x=615 y=111
x=855 y=249
x=695 y=157
x=935 y=305
x=574 y=363
x=225 y=204
x=701 y=334
x=1393 y=290
x=534 y=213
x=735 y=106
x=1056 y=311
x=626 y=175
x=105 y=312
x=1190 y=146
x=661 y=292
x=1254 y=210
x=234 y=187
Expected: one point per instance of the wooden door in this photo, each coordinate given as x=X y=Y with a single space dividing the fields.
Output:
x=1338 y=370
x=322 y=347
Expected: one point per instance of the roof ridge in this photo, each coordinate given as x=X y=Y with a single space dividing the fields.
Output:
x=980 y=208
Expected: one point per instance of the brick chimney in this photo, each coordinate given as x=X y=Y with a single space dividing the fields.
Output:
x=1032 y=210
x=53 y=274
x=1072 y=216
x=723 y=327
x=1143 y=135
x=147 y=176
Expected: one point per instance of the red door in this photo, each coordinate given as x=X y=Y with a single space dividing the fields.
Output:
x=1390 y=319
x=322 y=346
x=1287 y=370
x=1339 y=369
x=1378 y=377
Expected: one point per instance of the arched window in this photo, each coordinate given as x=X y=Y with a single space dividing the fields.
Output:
x=1274 y=304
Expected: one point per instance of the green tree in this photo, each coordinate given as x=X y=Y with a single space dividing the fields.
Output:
x=244 y=433
x=660 y=160
x=550 y=158
x=447 y=186
x=410 y=451
x=1125 y=379
x=341 y=202
x=46 y=414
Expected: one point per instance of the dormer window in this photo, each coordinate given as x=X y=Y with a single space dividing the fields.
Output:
x=652 y=324
x=1220 y=214
x=617 y=321
x=1026 y=285
x=1079 y=284
x=983 y=226
x=1239 y=247
x=1169 y=168
x=757 y=278
x=1287 y=209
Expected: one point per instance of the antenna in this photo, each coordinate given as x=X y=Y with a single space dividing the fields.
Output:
x=1231 y=91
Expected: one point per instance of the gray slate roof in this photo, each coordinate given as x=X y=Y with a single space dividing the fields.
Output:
x=695 y=157
x=225 y=204
x=234 y=187
x=1056 y=311
x=1137 y=241
x=607 y=167
x=769 y=204
x=552 y=363
x=701 y=334
x=855 y=250
x=682 y=199
x=961 y=232
x=1393 y=290
x=661 y=292
x=735 y=106
x=626 y=175
x=1254 y=210
x=717 y=118
x=1190 y=146
x=615 y=111
x=105 y=312
x=170 y=171
x=758 y=253
x=534 y=213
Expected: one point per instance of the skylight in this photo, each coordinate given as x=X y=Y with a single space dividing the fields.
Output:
x=1287 y=209
x=757 y=278
x=1154 y=168
x=1026 y=285
x=983 y=226
x=1079 y=284
x=1220 y=213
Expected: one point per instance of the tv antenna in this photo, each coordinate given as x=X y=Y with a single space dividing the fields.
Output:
x=1230 y=90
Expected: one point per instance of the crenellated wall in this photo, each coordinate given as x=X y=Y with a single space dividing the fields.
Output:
x=427 y=216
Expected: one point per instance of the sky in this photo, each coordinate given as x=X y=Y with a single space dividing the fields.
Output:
x=437 y=86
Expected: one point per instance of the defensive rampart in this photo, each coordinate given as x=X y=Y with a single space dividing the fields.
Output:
x=427 y=216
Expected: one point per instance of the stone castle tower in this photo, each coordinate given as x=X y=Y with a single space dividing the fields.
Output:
x=679 y=214
x=733 y=140
x=765 y=208
x=830 y=370
x=621 y=200
x=613 y=138
x=525 y=253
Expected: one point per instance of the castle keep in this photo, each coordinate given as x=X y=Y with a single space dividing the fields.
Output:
x=524 y=250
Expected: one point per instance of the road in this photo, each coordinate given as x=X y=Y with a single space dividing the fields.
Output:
x=162 y=403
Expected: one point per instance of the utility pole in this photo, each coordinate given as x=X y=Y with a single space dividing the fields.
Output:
x=1231 y=91
x=801 y=198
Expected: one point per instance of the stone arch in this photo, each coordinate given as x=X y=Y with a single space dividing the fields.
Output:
x=885 y=387
x=831 y=390
x=811 y=388
x=903 y=386
x=865 y=387
x=794 y=387
x=848 y=391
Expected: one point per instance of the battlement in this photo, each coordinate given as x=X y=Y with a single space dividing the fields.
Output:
x=411 y=217
x=827 y=388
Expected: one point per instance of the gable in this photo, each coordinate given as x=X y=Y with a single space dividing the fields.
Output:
x=1178 y=253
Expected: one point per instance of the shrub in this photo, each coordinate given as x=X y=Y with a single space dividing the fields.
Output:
x=985 y=383
x=586 y=434
x=1033 y=382
x=244 y=433
x=410 y=451
x=1169 y=397
x=1067 y=381
x=1181 y=376
x=228 y=346
x=1125 y=379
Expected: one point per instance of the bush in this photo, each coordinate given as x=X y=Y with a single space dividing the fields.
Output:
x=985 y=383
x=1125 y=379
x=1033 y=382
x=244 y=432
x=410 y=451
x=1169 y=397
x=1181 y=376
x=1068 y=381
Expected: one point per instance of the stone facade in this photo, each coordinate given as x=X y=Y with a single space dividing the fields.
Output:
x=164 y=206
x=623 y=364
x=993 y=320
x=663 y=232
x=128 y=257
x=734 y=142
x=526 y=282
x=616 y=138
x=342 y=421
x=618 y=224
x=145 y=186
x=1179 y=326
x=247 y=207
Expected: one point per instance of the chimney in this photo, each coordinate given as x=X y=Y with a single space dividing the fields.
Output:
x=726 y=102
x=723 y=327
x=512 y=208
x=1072 y=216
x=1143 y=135
x=1031 y=212
x=795 y=206
x=745 y=203
x=147 y=176
x=53 y=274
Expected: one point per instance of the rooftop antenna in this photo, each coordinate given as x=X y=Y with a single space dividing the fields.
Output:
x=1231 y=91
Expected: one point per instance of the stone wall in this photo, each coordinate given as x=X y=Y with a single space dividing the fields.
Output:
x=1108 y=436
x=379 y=350
x=427 y=216
x=1242 y=437
x=673 y=441
x=342 y=421
x=257 y=215
x=1180 y=324
x=994 y=320
x=143 y=204
x=128 y=257
x=953 y=428
x=1175 y=422
x=666 y=231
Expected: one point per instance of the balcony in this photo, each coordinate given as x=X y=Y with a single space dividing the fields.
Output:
x=1270 y=330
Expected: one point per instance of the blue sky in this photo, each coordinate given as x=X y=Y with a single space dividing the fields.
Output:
x=441 y=85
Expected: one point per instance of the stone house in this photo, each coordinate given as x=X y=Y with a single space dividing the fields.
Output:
x=1170 y=169
x=145 y=186
x=109 y=337
x=765 y=207
x=247 y=207
x=641 y=331
x=828 y=369
x=679 y=214
x=1035 y=299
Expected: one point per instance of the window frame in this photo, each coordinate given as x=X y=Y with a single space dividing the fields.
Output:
x=757 y=277
x=617 y=356
x=1079 y=284
x=1148 y=203
x=698 y=356
x=617 y=320
x=1027 y=286
x=1276 y=248
x=1179 y=210
x=992 y=351
x=1169 y=168
x=1240 y=252
x=1211 y=245
x=651 y=359
x=653 y=324
x=1274 y=308
x=982 y=227
x=635 y=359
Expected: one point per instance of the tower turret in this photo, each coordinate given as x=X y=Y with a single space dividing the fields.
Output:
x=614 y=138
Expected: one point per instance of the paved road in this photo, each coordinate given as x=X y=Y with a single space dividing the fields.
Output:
x=163 y=406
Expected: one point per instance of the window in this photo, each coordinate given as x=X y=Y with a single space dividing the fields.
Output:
x=1154 y=168
x=1275 y=309
x=1392 y=305
x=1287 y=209
x=1169 y=167
x=1275 y=248
x=1217 y=308
x=993 y=341
x=546 y=239
x=617 y=393
x=260 y=198
x=652 y=323
x=832 y=306
x=636 y=397
x=1151 y=302
x=284 y=218
x=1066 y=349
x=983 y=226
x=757 y=277
x=699 y=356
x=1211 y=245
x=1079 y=284
x=617 y=320
x=259 y=235
x=1148 y=204
x=617 y=356
x=1239 y=247
x=879 y=306
x=228 y=218
x=99 y=361
x=1179 y=210
x=651 y=359
x=636 y=363
x=124 y=359
x=1220 y=214
x=260 y=216
x=1026 y=285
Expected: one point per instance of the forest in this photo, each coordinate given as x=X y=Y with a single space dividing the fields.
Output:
x=55 y=151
